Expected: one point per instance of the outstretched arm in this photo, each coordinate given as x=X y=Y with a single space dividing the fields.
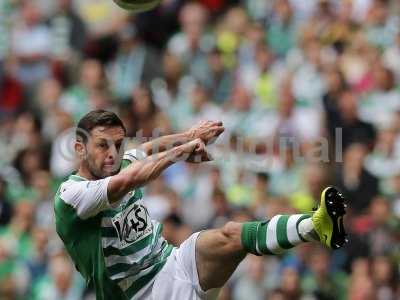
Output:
x=208 y=131
x=140 y=173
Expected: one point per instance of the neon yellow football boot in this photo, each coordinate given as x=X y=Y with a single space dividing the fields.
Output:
x=328 y=218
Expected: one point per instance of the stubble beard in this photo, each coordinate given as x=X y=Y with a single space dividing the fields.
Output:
x=98 y=173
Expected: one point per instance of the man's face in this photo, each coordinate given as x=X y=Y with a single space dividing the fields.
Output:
x=103 y=151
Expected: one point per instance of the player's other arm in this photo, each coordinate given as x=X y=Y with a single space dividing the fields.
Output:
x=88 y=198
x=143 y=171
x=207 y=131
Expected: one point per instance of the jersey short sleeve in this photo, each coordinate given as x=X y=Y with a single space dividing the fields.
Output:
x=88 y=197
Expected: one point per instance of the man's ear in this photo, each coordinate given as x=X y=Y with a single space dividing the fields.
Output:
x=80 y=149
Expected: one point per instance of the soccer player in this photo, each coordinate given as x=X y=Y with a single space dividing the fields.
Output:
x=102 y=219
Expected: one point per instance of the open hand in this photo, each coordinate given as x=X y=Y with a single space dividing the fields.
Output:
x=207 y=131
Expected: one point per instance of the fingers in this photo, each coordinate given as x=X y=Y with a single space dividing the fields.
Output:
x=215 y=131
x=202 y=128
x=213 y=134
x=200 y=147
x=208 y=131
x=203 y=156
x=196 y=144
x=216 y=123
x=218 y=130
x=192 y=145
x=210 y=123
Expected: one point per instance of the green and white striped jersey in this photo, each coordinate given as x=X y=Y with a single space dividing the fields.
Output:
x=117 y=248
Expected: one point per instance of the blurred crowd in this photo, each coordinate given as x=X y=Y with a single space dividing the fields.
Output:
x=308 y=90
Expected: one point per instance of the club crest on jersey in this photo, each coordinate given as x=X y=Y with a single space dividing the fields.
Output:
x=132 y=224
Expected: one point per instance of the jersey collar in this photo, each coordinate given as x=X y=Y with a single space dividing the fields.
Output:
x=76 y=177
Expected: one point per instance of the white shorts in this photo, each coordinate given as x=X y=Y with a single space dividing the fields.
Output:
x=178 y=279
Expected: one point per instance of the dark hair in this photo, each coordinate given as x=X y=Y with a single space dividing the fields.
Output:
x=97 y=118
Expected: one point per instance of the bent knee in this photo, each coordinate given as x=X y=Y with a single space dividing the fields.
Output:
x=232 y=230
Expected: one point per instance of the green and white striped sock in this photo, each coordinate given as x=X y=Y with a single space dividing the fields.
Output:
x=281 y=233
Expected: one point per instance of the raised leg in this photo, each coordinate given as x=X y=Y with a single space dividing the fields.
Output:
x=219 y=251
